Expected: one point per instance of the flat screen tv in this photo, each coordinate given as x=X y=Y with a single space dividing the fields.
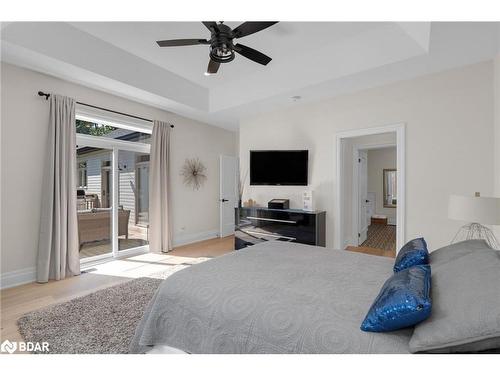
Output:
x=284 y=167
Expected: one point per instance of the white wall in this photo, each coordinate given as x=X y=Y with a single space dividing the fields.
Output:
x=449 y=143
x=24 y=132
x=378 y=160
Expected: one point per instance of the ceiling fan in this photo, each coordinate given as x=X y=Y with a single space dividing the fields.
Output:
x=222 y=48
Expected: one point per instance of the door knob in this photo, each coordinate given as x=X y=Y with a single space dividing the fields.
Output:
x=224 y=200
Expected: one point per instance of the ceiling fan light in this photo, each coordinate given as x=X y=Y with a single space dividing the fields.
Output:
x=221 y=52
x=222 y=49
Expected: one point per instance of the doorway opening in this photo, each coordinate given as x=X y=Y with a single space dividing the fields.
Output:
x=228 y=195
x=113 y=189
x=376 y=206
x=370 y=190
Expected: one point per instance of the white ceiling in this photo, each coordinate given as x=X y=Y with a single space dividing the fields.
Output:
x=279 y=42
x=314 y=60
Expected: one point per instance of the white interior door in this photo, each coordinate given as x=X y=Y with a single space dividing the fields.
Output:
x=228 y=193
x=370 y=209
x=363 y=205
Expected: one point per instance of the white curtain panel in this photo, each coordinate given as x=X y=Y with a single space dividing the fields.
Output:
x=160 y=238
x=58 y=250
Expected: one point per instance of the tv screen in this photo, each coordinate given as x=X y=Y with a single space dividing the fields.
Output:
x=278 y=167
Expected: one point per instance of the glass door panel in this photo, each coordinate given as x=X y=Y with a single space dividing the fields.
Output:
x=142 y=176
x=133 y=199
x=94 y=204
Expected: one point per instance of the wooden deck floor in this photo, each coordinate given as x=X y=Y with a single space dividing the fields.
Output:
x=137 y=236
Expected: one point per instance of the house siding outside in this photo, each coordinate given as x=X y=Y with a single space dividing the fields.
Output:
x=127 y=177
x=127 y=183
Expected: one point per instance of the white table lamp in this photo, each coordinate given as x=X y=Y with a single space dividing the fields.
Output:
x=477 y=211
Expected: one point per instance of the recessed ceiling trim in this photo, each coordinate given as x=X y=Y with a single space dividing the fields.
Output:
x=419 y=31
x=67 y=44
x=346 y=58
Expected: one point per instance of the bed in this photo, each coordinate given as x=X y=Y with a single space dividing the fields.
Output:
x=281 y=297
x=274 y=297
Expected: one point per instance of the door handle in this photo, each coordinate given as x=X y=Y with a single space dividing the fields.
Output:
x=224 y=200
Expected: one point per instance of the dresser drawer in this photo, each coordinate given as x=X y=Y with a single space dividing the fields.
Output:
x=290 y=225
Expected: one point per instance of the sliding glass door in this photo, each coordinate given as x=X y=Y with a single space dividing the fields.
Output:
x=112 y=191
x=94 y=209
x=133 y=206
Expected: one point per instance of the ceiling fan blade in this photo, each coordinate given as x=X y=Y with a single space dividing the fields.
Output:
x=251 y=27
x=213 y=66
x=252 y=54
x=210 y=25
x=181 y=42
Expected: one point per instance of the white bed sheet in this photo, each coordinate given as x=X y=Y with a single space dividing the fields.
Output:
x=165 y=349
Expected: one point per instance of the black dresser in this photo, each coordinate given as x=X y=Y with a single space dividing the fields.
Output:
x=257 y=224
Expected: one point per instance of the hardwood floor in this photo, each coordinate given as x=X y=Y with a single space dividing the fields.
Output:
x=381 y=241
x=372 y=251
x=19 y=300
x=209 y=248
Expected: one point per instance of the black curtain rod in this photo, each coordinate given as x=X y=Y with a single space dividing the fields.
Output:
x=47 y=96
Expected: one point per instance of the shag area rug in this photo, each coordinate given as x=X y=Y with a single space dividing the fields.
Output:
x=102 y=322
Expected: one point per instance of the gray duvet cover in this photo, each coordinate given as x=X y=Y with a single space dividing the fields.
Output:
x=275 y=297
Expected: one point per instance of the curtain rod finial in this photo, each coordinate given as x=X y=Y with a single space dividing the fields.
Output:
x=41 y=93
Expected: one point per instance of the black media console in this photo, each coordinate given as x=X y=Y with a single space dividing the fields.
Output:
x=257 y=224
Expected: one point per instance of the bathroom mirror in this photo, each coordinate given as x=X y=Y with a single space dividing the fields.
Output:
x=390 y=188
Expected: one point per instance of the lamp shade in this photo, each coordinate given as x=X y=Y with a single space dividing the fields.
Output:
x=482 y=210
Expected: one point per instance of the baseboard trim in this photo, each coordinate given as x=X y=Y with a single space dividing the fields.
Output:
x=28 y=275
x=19 y=277
x=181 y=240
x=348 y=242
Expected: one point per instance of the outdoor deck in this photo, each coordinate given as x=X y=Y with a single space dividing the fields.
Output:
x=138 y=236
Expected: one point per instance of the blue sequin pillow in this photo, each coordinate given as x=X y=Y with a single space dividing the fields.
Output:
x=413 y=253
x=404 y=301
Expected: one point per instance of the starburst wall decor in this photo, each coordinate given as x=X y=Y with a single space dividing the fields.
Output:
x=193 y=172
